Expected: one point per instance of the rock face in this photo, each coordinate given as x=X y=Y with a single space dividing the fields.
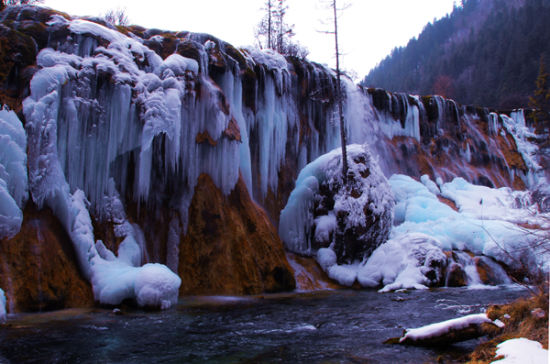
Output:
x=156 y=112
x=352 y=219
x=230 y=246
x=38 y=267
x=456 y=277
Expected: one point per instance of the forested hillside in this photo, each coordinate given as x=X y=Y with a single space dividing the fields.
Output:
x=486 y=52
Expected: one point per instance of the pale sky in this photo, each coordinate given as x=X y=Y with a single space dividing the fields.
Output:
x=369 y=29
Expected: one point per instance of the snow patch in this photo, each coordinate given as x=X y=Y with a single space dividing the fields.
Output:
x=521 y=351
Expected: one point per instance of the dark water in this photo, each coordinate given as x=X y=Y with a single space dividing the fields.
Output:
x=334 y=326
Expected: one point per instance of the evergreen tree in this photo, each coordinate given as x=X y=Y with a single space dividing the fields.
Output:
x=489 y=50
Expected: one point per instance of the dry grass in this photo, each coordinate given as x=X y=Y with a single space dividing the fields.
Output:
x=520 y=323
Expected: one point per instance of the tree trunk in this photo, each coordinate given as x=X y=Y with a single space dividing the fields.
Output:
x=269 y=12
x=339 y=98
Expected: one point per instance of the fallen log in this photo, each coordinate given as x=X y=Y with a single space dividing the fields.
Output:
x=449 y=332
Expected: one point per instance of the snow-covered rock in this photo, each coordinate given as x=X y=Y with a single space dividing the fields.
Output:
x=413 y=260
x=321 y=212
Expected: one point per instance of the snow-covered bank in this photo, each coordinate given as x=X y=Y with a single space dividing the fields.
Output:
x=489 y=222
x=432 y=241
x=521 y=351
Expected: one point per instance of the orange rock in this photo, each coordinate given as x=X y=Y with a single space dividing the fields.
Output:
x=38 y=268
x=309 y=275
x=486 y=273
x=230 y=247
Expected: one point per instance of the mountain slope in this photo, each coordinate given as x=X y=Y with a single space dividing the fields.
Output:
x=484 y=53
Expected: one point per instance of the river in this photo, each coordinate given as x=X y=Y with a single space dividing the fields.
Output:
x=342 y=326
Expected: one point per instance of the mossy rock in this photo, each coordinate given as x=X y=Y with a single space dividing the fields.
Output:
x=190 y=49
x=237 y=56
x=17 y=51
x=456 y=276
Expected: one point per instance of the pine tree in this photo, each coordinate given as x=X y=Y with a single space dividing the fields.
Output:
x=540 y=101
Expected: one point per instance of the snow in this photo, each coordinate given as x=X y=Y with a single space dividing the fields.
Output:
x=521 y=351
x=401 y=263
x=13 y=173
x=269 y=58
x=179 y=65
x=485 y=224
x=427 y=228
x=344 y=274
x=151 y=285
x=326 y=258
x=297 y=220
x=2 y=307
x=441 y=328
x=324 y=226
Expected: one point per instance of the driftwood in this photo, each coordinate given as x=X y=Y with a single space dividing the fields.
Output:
x=449 y=332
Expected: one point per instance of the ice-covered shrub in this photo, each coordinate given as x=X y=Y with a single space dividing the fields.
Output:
x=352 y=219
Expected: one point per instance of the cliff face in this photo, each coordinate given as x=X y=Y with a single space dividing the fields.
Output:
x=153 y=146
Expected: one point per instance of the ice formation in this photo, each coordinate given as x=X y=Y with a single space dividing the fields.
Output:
x=111 y=123
x=404 y=263
x=488 y=223
x=321 y=207
x=2 y=307
x=425 y=229
x=13 y=173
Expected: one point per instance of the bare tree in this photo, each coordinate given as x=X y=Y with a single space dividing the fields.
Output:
x=265 y=28
x=284 y=32
x=273 y=32
x=339 y=96
x=116 y=17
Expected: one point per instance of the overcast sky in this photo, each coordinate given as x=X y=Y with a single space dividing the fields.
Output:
x=369 y=29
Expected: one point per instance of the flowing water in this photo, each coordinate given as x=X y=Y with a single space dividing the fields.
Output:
x=329 y=326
